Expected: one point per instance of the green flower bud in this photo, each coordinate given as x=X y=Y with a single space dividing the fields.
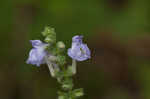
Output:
x=50 y=35
x=61 y=45
x=48 y=31
x=50 y=39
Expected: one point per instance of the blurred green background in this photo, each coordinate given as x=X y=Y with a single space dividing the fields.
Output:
x=117 y=32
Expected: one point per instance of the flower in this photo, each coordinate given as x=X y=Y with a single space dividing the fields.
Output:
x=79 y=51
x=37 y=53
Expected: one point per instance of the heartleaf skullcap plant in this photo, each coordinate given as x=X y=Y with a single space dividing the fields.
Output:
x=52 y=53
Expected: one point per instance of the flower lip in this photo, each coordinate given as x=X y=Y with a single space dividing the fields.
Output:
x=77 y=38
x=36 y=43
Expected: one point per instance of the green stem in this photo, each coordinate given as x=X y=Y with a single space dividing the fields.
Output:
x=74 y=67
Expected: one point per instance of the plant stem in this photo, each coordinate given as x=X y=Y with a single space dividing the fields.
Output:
x=51 y=68
x=74 y=66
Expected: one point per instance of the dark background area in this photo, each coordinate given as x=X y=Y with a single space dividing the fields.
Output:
x=116 y=31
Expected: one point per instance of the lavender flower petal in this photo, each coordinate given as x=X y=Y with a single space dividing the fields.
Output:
x=37 y=53
x=79 y=51
x=77 y=38
x=36 y=43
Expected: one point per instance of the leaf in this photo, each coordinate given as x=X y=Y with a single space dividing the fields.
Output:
x=78 y=92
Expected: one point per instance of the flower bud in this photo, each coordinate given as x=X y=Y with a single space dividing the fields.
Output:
x=60 y=45
x=47 y=40
x=48 y=31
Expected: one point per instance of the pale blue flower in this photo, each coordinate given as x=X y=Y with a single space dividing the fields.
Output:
x=79 y=51
x=37 y=53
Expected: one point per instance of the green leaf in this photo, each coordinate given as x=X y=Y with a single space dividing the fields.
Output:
x=61 y=97
x=61 y=59
x=78 y=92
x=67 y=83
x=69 y=71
